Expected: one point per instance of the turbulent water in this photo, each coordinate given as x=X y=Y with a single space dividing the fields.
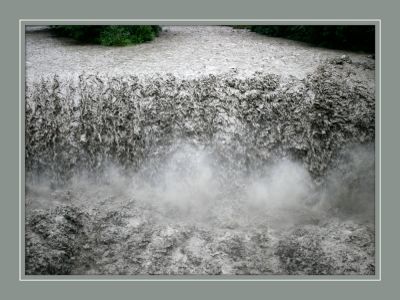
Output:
x=185 y=51
x=217 y=174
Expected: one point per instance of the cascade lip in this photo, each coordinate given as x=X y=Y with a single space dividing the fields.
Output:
x=262 y=117
x=219 y=49
x=311 y=108
x=105 y=233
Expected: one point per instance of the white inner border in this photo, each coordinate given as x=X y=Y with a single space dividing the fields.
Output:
x=206 y=20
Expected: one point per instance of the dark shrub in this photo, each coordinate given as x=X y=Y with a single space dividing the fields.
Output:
x=357 y=38
x=109 y=35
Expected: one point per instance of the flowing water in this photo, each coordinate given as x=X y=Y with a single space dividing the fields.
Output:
x=261 y=169
x=184 y=51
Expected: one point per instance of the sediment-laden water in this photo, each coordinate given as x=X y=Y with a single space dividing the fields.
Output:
x=215 y=174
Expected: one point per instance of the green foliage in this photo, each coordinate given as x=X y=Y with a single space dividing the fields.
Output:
x=357 y=38
x=242 y=26
x=109 y=35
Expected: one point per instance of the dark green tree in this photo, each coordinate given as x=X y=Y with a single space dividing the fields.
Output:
x=108 y=35
x=351 y=37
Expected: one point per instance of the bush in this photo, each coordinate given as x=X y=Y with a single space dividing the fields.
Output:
x=357 y=38
x=109 y=35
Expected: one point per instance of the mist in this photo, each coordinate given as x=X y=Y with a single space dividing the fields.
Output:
x=220 y=167
x=192 y=186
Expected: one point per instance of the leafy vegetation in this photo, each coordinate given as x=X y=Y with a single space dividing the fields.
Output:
x=109 y=35
x=357 y=38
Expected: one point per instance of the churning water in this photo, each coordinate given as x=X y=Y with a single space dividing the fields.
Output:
x=215 y=174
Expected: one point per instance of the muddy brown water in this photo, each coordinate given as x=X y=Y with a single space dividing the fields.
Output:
x=185 y=221
x=184 y=51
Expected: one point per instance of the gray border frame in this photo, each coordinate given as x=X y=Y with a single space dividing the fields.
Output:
x=375 y=22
